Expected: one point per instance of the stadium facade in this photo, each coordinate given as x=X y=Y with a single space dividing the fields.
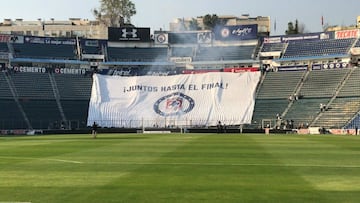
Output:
x=309 y=80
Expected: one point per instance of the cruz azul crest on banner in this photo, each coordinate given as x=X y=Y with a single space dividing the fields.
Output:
x=174 y=104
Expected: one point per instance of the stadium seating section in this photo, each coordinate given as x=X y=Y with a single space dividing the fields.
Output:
x=137 y=54
x=48 y=100
x=44 y=51
x=224 y=53
x=318 y=48
x=338 y=89
x=357 y=44
x=273 y=47
x=4 y=47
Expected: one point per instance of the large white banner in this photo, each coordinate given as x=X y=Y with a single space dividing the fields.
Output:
x=195 y=99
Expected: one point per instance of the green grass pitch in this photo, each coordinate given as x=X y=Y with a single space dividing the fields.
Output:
x=180 y=168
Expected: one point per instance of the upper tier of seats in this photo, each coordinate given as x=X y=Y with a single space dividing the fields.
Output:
x=182 y=51
x=91 y=46
x=323 y=47
x=225 y=53
x=272 y=47
x=137 y=54
x=44 y=51
x=91 y=50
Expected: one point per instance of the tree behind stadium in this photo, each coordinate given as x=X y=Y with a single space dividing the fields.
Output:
x=115 y=13
x=211 y=21
x=297 y=29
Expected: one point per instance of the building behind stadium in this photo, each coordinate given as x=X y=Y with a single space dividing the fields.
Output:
x=93 y=29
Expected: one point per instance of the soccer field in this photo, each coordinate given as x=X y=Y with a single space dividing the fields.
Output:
x=180 y=168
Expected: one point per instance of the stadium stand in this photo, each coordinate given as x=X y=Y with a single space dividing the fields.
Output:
x=225 y=53
x=33 y=85
x=44 y=51
x=10 y=116
x=345 y=105
x=267 y=109
x=304 y=111
x=41 y=113
x=313 y=88
x=50 y=100
x=90 y=47
x=73 y=87
x=279 y=85
x=273 y=47
x=357 y=44
x=4 y=47
x=354 y=122
x=76 y=112
x=351 y=87
x=342 y=109
x=36 y=97
x=5 y=92
x=182 y=51
x=323 y=83
x=323 y=47
x=137 y=54
x=74 y=94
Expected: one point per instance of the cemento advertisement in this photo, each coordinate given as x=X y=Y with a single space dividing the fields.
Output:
x=179 y=100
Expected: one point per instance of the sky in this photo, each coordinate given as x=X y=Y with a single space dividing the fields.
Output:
x=158 y=14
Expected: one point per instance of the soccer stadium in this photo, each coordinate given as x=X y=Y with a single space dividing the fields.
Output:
x=228 y=115
x=289 y=82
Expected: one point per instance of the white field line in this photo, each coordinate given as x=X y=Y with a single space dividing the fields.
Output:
x=188 y=163
x=229 y=164
x=44 y=159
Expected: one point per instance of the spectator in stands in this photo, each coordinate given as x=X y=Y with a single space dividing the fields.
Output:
x=219 y=127
x=278 y=121
x=291 y=124
x=290 y=98
x=296 y=97
x=278 y=117
x=62 y=126
x=94 y=129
